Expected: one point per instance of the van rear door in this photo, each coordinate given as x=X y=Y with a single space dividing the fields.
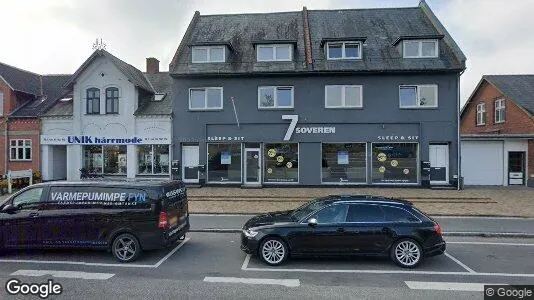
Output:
x=175 y=206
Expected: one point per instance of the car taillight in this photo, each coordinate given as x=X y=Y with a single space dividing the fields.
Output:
x=163 y=222
x=437 y=229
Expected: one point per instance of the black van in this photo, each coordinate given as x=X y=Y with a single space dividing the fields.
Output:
x=122 y=217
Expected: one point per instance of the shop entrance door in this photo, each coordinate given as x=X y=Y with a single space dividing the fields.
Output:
x=252 y=167
x=439 y=164
x=190 y=159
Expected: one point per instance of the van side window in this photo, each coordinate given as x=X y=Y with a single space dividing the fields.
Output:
x=394 y=214
x=28 y=198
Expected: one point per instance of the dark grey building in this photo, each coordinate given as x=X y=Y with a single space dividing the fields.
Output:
x=326 y=97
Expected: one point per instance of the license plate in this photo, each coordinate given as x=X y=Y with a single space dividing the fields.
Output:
x=173 y=221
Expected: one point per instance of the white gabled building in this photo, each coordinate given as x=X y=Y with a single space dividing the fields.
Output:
x=113 y=121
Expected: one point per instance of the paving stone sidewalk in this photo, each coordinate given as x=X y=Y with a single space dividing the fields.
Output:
x=486 y=201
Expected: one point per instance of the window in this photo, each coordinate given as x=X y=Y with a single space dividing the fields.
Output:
x=364 y=213
x=344 y=163
x=344 y=50
x=205 y=98
x=93 y=101
x=28 y=198
x=105 y=159
x=282 y=52
x=281 y=162
x=153 y=159
x=224 y=163
x=500 y=110
x=208 y=54
x=275 y=97
x=395 y=163
x=159 y=97
x=420 y=48
x=481 y=114
x=395 y=214
x=112 y=100
x=1 y=104
x=20 y=149
x=336 y=213
x=343 y=96
x=418 y=96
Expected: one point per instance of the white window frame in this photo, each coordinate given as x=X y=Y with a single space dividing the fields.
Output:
x=420 y=52
x=274 y=47
x=206 y=98
x=343 y=98
x=418 y=93
x=481 y=114
x=276 y=87
x=208 y=50
x=343 y=54
x=17 y=147
x=499 y=107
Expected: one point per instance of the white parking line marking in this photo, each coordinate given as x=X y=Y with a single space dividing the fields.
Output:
x=125 y=265
x=64 y=274
x=283 y=282
x=446 y=286
x=459 y=262
x=245 y=262
x=492 y=243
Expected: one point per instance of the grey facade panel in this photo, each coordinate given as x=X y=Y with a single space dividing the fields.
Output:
x=380 y=119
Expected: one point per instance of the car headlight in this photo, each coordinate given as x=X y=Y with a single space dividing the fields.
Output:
x=250 y=233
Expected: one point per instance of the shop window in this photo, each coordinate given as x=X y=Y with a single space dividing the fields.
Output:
x=418 y=96
x=275 y=97
x=281 y=163
x=395 y=163
x=105 y=159
x=344 y=163
x=153 y=159
x=112 y=100
x=224 y=162
x=93 y=101
x=20 y=149
x=92 y=159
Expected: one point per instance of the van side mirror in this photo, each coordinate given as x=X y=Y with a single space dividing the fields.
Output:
x=9 y=208
x=312 y=222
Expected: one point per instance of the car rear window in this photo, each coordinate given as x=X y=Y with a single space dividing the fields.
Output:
x=395 y=214
x=96 y=196
x=365 y=213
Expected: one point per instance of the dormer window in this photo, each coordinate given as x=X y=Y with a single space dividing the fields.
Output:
x=159 y=97
x=420 y=48
x=344 y=50
x=208 y=54
x=274 y=52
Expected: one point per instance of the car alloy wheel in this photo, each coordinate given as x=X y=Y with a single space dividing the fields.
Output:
x=273 y=251
x=126 y=248
x=406 y=253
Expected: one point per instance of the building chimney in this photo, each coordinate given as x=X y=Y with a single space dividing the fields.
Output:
x=152 y=65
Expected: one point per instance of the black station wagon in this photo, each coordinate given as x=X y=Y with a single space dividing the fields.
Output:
x=345 y=225
x=122 y=217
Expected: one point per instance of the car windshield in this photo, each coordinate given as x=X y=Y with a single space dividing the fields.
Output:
x=307 y=209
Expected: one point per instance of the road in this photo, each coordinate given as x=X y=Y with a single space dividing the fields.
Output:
x=210 y=265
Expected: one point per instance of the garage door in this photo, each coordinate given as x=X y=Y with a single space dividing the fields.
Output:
x=482 y=163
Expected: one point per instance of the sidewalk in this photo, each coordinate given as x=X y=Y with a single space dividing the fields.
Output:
x=486 y=201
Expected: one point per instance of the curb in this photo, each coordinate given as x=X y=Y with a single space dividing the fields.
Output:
x=454 y=234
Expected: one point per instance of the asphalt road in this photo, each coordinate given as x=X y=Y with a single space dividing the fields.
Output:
x=448 y=224
x=211 y=266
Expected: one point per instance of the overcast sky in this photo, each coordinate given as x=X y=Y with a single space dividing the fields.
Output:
x=56 y=36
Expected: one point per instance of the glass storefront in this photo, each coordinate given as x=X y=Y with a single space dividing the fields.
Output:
x=281 y=162
x=344 y=163
x=153 y=159
x=224 y=163
x=395 y=162
x=105 y=159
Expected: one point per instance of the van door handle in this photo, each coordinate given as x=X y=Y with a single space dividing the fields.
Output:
x=34 y=214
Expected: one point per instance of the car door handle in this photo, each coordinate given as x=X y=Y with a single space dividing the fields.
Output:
x=34 y=214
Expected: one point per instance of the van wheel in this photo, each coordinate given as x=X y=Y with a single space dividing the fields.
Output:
x=126 y=248
x=406 y=253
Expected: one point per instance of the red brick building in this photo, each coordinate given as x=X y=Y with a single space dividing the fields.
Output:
x=497 y=132
x=24 y=96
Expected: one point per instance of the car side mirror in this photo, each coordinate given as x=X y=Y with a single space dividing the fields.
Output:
x=312 y=222
x=9 y=208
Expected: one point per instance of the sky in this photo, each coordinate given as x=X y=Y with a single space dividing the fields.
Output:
x=56 y=36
